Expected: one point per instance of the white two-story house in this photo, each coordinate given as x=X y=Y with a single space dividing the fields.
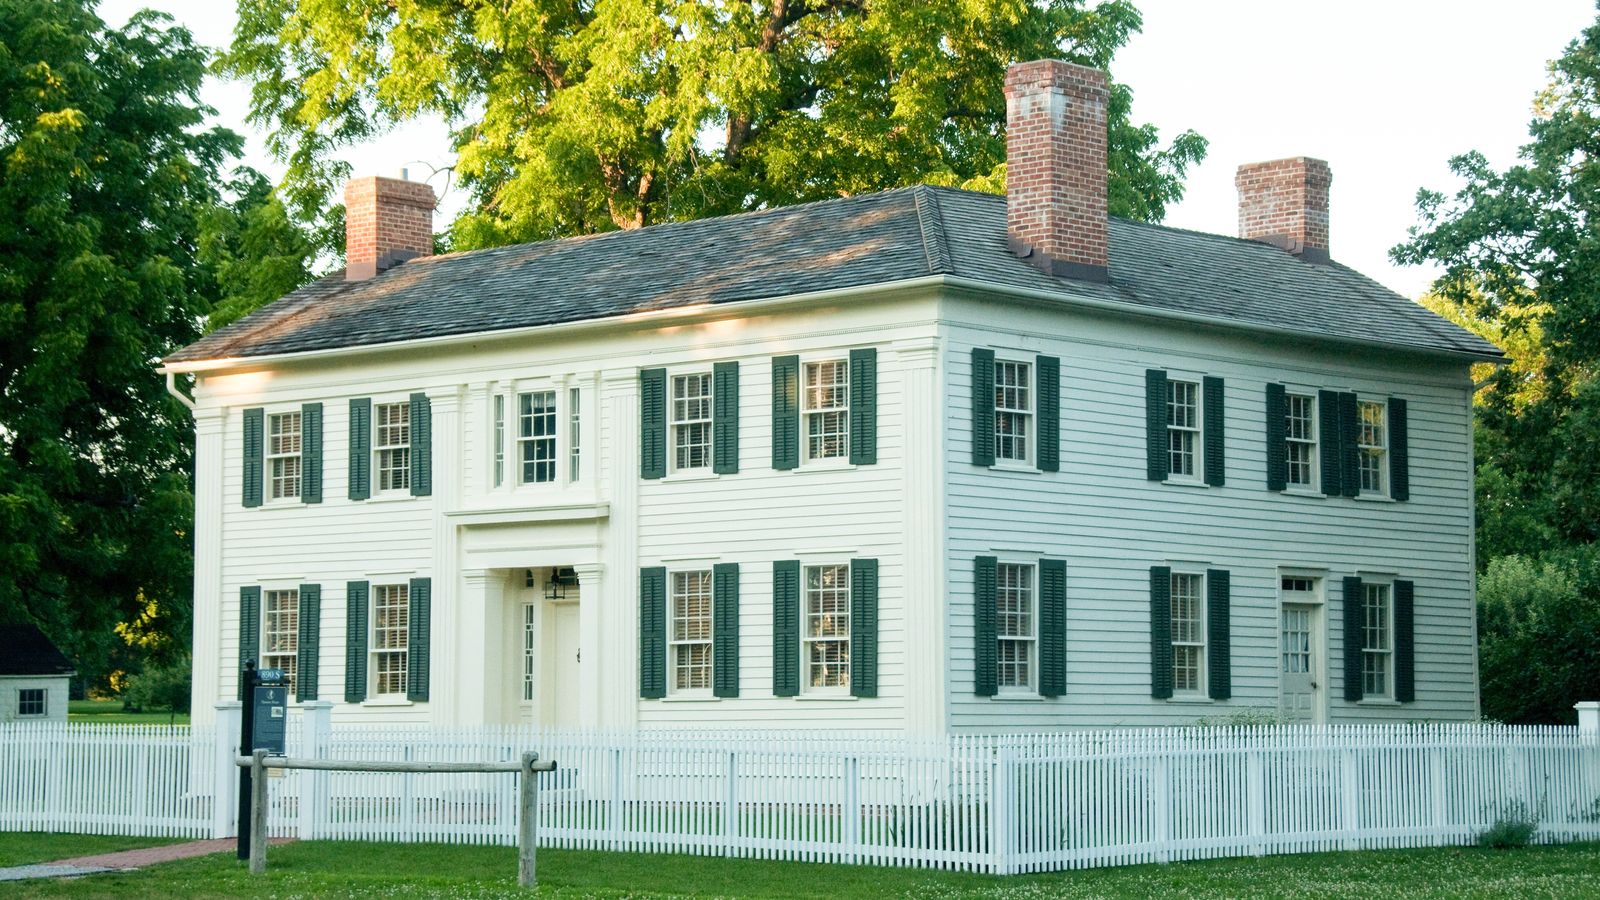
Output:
x=920 y=461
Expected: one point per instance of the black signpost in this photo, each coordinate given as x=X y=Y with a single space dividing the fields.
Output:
x=261 y=727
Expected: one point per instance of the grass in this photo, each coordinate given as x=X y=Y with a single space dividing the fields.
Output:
x=424 y=870
x=22 y=848
x=112 y=711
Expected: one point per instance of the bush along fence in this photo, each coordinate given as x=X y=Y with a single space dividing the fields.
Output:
x=990 y=803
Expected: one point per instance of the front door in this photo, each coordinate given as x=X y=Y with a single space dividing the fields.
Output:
x=1299 y=694
x=561 y=674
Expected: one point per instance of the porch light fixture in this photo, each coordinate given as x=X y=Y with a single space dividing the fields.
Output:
x=560 y=580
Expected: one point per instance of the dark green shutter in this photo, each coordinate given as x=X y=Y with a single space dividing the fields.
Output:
x=249 y=629
x=355 y=641
x=1052 y=627
x=982 y=407
x=1215 y=428
x=1399 y=455
x=725 y=629
x=1219 y=639
x=1277 y=437
x=1354 y=621
x=1330 y=443
x=725 y=418
x=653 y=632
x=421 y=446
x=1049 y=414
x=1405 y=668
x=653 y=423
x=786 y=628
x=785 y=412
x=1349 y=445
x=985 y=640
x=361 y=449
x=253 y=452
x=311 y=454
x=1160 y=632
x=864 y=627
x=310 y=642
x=418 y=639
x=1157 y=451
x=863 y=406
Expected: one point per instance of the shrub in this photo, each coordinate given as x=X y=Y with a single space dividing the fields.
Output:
x=1539 y=635
x=1515 y=827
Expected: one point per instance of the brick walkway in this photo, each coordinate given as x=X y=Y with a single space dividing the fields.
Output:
x=126 y=859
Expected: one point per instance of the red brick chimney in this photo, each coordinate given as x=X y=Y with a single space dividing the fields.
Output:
x=386 y=222
x=1056 y=167
x=1285 y=203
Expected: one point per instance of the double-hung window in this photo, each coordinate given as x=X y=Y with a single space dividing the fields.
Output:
x=826 y=633
x=283 y=454
x=1013 y=411
x=391 y=618
x=280 y=631
x=1372 y=443
x=574 y=457
x=1183 y=428
x=499 y=439
x=392 y=445
x=1300 y=436
x=826 y=411
x=689 y=637
x=691 y=421
x=1015 y=626
x=1188 y=633
x=1377 y=641
x=536 y=436
x=31 y=702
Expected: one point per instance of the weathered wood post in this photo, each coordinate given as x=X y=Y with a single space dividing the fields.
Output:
x=258 y=812
x=528 y=822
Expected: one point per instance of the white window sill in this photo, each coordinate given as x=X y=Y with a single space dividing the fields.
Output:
x=285 y=503
x=1374 y=498
x=1017 y=697
x=1012 y=465
x=704 y=474
x=1378 y=701
x=814 y=697
x=387 y=701
x=1304 y=491
x=838 y=464
x=691 y=698
x=1193 y=699
x=391 y=497
x=1186 y=482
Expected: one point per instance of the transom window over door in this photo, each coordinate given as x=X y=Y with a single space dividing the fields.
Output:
x=1183 y=427
x=391 y=618
x=1014 y=625
x=280 y=631
x=1377 y=642
x=1300 y=434
x=1188 y=633
x=392 y=444
x=689 y=637
x=536 y=436
x=827 y=409
x=1013 y=410
x=283 y=454
x=1373 y=443
x=691 y=421
x=826 y=637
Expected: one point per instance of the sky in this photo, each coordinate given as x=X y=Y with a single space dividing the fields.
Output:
x=1385 y=90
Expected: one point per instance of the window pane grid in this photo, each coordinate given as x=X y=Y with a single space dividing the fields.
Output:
x=1183 y=426
x=280 y=631
x=1188 y=633
x=1373 y=443
x=30 y=702
x=283 y=454
x=1301 y=433
x=574 y=456
x=391 y=614
x=1296 y=641
x=499 y=440
x=1013 y=410
x=536 y=436
x=1376 y=641
x=392 y=442
x=827 y=626
x=530 y=648
x=691 y=421
x=689 y=637
x=1014 y=624
x=827 y=409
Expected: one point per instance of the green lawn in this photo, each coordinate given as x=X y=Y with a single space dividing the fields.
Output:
x=424 y=870
x=21 y=848
x=111 y=711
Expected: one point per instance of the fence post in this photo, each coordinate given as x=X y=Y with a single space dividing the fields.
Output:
x=730 y=805
x=1588 y=718
x=315 y=728
x=614 y=820
x=225 y=783
x=1257 y=799
x=1350 y=790
x=258 y=812
x=1161 y=798
x=528 y=822
x=1000 y=801
x=852 y=808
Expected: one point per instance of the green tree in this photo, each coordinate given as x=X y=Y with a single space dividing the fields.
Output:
x=106 y=169
x=1539 y=635
x=573 y=116
x=254 y=252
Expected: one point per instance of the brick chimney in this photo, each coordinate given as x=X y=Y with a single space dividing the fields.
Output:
x=1056 y=167
x=1285 y=203
x=386 y=222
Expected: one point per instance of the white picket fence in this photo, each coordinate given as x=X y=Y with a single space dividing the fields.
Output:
x=993 y=803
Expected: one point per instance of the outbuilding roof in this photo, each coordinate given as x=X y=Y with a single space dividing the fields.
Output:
x=24 y=650
x=849 y=242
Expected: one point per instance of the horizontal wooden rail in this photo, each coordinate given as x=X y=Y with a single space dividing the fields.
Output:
x=357 y=765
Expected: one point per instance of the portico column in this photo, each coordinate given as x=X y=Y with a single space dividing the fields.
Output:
x=591 y=594
x=480 y=674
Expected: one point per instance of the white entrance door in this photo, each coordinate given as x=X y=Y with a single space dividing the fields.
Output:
x=1299 y=693
x=561 y=672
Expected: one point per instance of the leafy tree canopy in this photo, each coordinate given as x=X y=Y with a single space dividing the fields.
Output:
x=573 y=116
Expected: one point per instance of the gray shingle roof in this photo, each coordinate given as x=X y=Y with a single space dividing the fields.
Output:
x=849 y=242
x=24 y=650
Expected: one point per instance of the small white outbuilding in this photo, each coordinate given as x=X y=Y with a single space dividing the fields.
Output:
x=34 y=676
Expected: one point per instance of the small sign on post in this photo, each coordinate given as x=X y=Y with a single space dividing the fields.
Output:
x=263 y=726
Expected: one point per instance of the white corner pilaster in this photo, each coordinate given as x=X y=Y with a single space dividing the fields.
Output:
x=925 y=605
x=618 y=623
x=481 y=675
x=206 y=685
x=447 y=486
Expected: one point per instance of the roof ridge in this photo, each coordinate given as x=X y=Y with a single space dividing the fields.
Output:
x=934 y=244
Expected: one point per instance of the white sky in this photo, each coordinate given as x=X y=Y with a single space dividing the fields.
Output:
x=1385 y=90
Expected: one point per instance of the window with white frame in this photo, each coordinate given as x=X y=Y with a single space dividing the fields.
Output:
x=1373 y=444
x=499 y=439
x=391 y=619
x=1300 y=436
x=1183 y=427
x=574 y=457
x=691 y=421
x=392 y=445
x=31 y=702
x=283 y=454
x=530 y=649
x=1015 y=625
x=689 y=637
x=1377 y=642
x=1013 y=410
x=1188 y=633
x=280 y=631
x=826 y=637
x=826 y=412
x=536 y=436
